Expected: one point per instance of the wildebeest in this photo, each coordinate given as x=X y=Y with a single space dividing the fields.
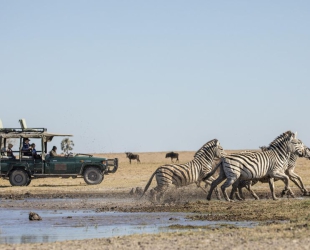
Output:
x=132 y=156
x=173 y=155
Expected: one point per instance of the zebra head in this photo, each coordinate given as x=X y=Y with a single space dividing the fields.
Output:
x=296 y=146
x=307 y=153
x=219 y=151
x=287 y=143
x=210 y=150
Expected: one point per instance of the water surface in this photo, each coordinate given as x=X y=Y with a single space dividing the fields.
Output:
x=60 y=225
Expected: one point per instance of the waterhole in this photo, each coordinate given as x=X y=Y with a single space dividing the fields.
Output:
x=60 y=225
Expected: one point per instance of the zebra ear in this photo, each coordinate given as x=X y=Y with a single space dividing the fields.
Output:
x=296 y=135
x=217 y=143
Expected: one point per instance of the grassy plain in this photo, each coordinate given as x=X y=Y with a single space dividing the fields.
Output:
x=283 y=224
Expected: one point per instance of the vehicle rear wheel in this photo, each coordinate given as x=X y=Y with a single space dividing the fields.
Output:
x=93 y=176
x=19 y=178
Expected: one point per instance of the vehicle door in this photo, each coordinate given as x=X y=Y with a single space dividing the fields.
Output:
x=61 y=165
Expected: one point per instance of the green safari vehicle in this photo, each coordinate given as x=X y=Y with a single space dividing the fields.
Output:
x=22 y=169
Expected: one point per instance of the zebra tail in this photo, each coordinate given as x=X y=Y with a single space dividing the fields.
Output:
x=148 y=184
x=212 y=172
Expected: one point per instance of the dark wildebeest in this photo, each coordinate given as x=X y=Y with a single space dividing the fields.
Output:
x=132 y=156
x=173 y=155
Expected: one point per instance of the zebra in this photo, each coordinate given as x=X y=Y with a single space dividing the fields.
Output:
x=132 y=156
x=255 y=165
x=289 y=172
x=185 y=174
x=173 y=155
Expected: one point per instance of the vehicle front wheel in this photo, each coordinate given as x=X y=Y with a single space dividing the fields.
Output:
x=19 y=178
x=93 y=176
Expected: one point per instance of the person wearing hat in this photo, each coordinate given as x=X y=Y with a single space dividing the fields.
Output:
x=34 y=151
x=53 y=152
x=26 y=149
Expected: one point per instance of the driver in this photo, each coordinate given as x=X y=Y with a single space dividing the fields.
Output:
x=53 y=152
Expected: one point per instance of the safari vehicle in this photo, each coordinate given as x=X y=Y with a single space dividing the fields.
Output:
x=23 y=169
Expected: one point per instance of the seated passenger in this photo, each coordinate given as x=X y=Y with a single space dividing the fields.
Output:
x=34 y=152
x=26 y=149
x=53 y=152
x=9 y=151
x=3 y=151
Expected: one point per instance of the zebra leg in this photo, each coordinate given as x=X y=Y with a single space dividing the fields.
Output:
x=214 y=184
x=295 y=178
x=209 y=183
x=217 y=193
x=234 y=192
x=153 y=193
x=161 y=190
x=249 y=187
x=285 y=179
x=240 y=193
x=226 y=184
x=271 y=185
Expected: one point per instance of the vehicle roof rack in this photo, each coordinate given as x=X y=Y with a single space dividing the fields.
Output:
x=21 y=130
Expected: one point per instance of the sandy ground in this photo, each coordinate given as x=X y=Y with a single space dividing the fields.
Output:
x=114 y=195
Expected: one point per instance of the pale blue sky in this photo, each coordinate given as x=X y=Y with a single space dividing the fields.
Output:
x=146 y=76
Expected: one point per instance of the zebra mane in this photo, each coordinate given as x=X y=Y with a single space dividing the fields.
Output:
x=209 y=144
x=279 y=140
x=263 y=148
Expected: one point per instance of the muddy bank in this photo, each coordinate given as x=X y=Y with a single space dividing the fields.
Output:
x=224 y=238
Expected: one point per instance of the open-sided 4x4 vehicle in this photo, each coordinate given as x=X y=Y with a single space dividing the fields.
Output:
x=23 y=169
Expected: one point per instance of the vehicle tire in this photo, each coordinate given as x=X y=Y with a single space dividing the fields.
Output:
x=93 y=176
x=28 y=182
x=19 y=178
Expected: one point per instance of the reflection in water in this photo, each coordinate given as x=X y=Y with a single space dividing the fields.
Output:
x=60 y=225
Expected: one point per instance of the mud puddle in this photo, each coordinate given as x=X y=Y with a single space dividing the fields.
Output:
x=60 y=225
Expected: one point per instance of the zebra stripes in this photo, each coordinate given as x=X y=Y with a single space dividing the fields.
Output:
x=255 y=165
x=295 y=178
x=185 y=174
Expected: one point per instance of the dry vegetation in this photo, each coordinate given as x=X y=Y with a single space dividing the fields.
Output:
x=294 y=214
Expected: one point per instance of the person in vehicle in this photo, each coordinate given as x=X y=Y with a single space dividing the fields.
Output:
x=53 y=152
x=26 y=149
x=9 y=151
x=34 y=152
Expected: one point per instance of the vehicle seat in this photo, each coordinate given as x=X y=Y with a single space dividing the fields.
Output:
x=26 y=157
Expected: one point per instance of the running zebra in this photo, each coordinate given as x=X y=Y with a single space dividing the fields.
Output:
x=289 y=172
x=185 y=174
x=255 y=165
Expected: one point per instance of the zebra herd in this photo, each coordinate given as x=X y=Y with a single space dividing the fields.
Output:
x=239 y=170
